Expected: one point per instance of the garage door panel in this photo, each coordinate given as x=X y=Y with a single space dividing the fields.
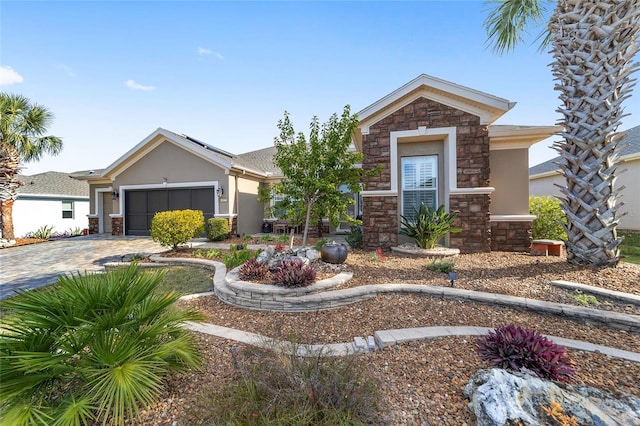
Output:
x=136 y=201
x=203 y=199
x=157 y=201
x=141 y=205
x=179 y=199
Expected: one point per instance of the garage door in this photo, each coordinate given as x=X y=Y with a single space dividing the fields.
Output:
x=141 y=205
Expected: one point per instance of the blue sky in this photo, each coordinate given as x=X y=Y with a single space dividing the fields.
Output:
x=224 y=72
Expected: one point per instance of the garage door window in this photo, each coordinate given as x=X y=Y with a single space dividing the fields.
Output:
x=67 y=209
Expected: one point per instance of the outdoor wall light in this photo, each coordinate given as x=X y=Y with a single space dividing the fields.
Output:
x=220 y=191
x=115 y=195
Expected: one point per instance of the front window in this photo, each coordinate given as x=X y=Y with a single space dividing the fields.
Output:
x=279 y=213
x=419 y=183
x=67 y=209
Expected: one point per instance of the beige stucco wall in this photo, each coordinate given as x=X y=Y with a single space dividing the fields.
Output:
x=509 y=176
x=630 y=179
x=250 y=211
x=176 y=165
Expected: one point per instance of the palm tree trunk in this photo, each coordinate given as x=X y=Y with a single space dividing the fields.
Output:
x=594 y=42
x=6 y=207
x=9 y=184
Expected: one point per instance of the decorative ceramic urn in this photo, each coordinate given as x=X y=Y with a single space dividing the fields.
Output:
x=333 y=253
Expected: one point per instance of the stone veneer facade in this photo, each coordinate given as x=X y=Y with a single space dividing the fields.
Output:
x=116 y=225
x=511 y=236
x=380 y=213
x=94 y=225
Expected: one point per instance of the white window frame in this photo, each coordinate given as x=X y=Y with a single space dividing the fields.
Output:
x=72 y=209
x=432 y=159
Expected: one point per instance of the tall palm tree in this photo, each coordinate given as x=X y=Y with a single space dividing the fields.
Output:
x=593 y=45
x=22 y=139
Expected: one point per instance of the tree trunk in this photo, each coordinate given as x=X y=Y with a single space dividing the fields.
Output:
x=594 y=43
x=306 y=225
x=6 y=207
x=9 y=184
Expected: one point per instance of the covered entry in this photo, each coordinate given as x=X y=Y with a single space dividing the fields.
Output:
x=141 y=204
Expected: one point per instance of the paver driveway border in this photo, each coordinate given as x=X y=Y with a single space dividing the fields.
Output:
x=37 y=265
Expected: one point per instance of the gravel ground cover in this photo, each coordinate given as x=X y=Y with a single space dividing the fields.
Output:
x=422 y=382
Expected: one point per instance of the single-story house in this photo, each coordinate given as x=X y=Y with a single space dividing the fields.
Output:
x=50 y=199
x=544 y=178
x=434 y=140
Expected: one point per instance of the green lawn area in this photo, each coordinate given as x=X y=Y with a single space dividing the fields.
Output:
x=630 y=247
x=186 y=279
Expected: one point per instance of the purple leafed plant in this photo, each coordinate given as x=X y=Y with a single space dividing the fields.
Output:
x=515 y=348
x=294 y=273
x=253 y=270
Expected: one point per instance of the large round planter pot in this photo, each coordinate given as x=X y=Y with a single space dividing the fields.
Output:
x=333 y=253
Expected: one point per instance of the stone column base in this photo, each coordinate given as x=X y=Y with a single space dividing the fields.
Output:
x=511 y=236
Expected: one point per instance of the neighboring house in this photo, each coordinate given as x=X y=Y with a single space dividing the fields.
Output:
x=50 y=199
x=544 y=178
x=434 y=140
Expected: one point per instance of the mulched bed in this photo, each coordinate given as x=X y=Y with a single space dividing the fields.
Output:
x=422 y=381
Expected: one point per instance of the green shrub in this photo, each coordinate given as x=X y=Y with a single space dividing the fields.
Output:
x=550 y=219
x=427 y=226
x=354 y=237
x=282 y=238
x=217 y=229
x=93 y=348
x=237 y=257
x=273 y=386
x=45 y=232
x=318 y=245
x=267 y=238
x=441 y=265
x=175 y=227
x=584 y=299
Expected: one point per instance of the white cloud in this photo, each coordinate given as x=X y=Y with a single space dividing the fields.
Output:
x=131 y=84
x=9 y=76
x=203 y=51
x=66 y=69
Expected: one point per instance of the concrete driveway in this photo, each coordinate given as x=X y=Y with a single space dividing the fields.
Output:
x=40 y=264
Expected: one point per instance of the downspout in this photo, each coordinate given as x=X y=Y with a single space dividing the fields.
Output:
x=236 y=206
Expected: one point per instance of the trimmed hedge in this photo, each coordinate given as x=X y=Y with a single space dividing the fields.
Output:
x=550 y=221
x=217 y=229
x=175 y=227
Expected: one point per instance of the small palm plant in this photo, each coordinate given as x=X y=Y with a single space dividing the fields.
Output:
x=93 y=348
x=427 y=226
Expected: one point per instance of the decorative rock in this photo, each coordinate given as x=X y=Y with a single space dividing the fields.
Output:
x=265 y=255
x=6 y=243
x=312 y=255
x=499 y=397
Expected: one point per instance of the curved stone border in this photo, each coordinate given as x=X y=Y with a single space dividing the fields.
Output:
x=336 y=298
x=386 y=338
x=612 y=294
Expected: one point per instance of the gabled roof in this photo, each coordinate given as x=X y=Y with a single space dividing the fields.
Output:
x=207 y=152
x=488 y=107
x=630 y=147
x=53 y=184
x=261 y=159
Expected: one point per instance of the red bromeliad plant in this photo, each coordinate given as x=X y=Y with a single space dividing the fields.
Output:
x=515 y=348
x=294 y=273
x=253 y=270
